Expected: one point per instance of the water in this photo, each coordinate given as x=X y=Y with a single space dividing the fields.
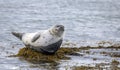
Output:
x=86 y=22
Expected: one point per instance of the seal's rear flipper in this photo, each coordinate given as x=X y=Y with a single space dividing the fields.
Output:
x=18 y=35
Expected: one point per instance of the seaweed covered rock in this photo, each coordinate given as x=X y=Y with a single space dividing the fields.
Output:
x=32 y=55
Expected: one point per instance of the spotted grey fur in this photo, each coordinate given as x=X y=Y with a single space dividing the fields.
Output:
x=44 y=41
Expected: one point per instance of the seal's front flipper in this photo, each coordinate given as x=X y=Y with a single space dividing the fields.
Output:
x=35 y=37
x=18 y=35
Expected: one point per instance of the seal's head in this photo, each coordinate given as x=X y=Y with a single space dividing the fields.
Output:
x=57 y=30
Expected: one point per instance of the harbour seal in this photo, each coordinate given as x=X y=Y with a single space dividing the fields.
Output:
x=44 y=41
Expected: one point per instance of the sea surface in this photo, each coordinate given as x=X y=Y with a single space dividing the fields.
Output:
x=87 y=23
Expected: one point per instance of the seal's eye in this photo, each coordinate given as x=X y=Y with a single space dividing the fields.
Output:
x=57 y=26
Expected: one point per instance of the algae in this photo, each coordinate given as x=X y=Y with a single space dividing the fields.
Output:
x=83 y=68
x=115 y=62
x=32 y=55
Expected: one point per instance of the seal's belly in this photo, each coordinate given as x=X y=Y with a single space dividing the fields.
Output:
x=45 y=41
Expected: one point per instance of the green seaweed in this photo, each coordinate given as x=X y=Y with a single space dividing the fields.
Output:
x=115 y=62
x=83 y=68
x=33 y=55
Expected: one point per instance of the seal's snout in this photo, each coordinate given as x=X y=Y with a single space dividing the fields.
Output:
x=60 y=27
x=57 y=30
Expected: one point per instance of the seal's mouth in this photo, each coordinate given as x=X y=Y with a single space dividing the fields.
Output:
x=61 y=28
x=57 y=30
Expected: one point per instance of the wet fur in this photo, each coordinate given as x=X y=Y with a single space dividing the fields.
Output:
x=42 y=41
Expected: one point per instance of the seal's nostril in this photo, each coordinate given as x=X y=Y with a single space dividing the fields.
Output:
x=61 y=28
